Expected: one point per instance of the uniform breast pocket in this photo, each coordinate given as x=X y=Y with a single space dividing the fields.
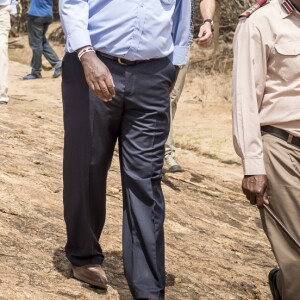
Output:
x=288 y=57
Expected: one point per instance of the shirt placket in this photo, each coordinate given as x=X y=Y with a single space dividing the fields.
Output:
x=138 y=31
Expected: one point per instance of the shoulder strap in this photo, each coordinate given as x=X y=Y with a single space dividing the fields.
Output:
x=253 y=8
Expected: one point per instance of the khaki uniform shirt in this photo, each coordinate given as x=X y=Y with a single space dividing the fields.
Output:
x=266 y=79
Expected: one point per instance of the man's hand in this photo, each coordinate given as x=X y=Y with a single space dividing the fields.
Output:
x=255 y=189
x=205 y=35
x=98 y=76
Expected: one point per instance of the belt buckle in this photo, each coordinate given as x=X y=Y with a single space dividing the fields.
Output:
x=121 y=62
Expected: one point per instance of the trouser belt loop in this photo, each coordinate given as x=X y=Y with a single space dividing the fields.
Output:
x=290 y=138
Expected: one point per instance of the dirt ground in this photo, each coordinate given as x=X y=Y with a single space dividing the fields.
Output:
x=215 y=247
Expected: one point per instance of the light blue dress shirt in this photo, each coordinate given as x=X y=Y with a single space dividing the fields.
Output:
x=132 y=29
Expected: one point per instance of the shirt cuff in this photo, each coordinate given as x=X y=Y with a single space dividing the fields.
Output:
x=78 y=39
x=179 y=57
x=254 y=166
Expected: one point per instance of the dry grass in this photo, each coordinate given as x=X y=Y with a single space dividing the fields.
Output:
x=203 y=119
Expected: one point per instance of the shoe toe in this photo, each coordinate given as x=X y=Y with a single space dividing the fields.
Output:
x=31 y=76
x=91 y=274
x=57 y=72
x=175 y=168
x=170 y=164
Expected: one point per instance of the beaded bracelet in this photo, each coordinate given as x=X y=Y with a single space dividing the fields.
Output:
x=84 y=51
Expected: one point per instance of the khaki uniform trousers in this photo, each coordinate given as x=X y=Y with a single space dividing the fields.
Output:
x=174 y=98
x=4 y=31
x=282 y=161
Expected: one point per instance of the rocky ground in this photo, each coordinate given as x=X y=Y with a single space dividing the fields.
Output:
x=215 y=247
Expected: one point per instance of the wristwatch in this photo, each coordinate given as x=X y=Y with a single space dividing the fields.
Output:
x=211 y=23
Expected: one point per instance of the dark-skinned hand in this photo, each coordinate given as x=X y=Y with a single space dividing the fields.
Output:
x=98 y=76
x=255 y=189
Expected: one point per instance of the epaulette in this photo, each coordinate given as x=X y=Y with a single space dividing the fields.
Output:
x=253 y=8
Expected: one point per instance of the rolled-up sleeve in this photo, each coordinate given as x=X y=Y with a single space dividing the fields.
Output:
x=74 y=16
x=181 y=32
x=249 y=77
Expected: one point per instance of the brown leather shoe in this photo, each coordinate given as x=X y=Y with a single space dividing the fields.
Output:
x=92 y=274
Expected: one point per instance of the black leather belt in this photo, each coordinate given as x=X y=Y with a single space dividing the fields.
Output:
x=121 y=60
x=282 y=134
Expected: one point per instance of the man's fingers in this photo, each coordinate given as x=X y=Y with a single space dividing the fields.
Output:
x=111 y=91
x=259 y=200
x=98 y=77
x=249 y=196
x=253 y=199
x=97 y=88
x=205 y=40
x=266 y=198
x=262 y=199
x=205 y=43
x=204 y=36
x=245 y=192
x=105 y=91
x=110 y=85
x=201 y=33
x=254 y=187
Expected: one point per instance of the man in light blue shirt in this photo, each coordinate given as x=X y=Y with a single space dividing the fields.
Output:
x=118 y=71
x=207 y=9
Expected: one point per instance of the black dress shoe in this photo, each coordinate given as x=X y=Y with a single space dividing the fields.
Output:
x=92 y=274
